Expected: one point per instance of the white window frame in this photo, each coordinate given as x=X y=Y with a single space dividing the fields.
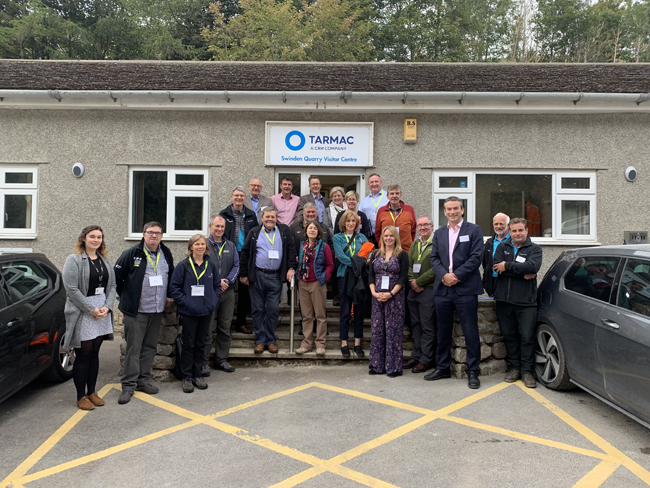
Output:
x=317 y=171
x=173 y=191
x=558 y=195
x=30 y=189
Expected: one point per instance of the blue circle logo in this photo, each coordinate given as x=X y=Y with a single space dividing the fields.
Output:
x=287 y=140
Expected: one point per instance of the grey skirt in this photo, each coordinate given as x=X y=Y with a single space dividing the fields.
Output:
x=89 y=328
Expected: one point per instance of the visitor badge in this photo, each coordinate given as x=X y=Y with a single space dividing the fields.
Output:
x=155 y=280
x=384 y=283
x=198 y=290
x=273 y=254
x=99 y=290
x=416 y=268
x=520 y=259
x=463 y=238
x=397 y=229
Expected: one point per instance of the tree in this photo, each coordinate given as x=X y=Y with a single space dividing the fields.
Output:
x=560 y=26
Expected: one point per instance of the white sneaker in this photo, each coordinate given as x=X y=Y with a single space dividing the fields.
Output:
x=320 y=352
x=301 y=350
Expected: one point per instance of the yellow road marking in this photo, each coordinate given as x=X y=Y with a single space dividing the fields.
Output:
x=597 y=476
x=615 y=455
x=610 y=460
x=44 y=448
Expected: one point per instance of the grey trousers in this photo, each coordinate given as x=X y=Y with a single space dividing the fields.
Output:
x=423 y=325
x=141 y=333
x=220 y=322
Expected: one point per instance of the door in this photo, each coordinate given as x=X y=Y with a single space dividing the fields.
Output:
x=329 y=178
x=623 y=340
x=13 y=335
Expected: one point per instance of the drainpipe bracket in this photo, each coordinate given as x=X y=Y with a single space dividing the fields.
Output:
x=226 y=96
x=575 y=102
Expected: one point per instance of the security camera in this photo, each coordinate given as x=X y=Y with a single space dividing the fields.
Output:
x=78 y=170
x=630 y=173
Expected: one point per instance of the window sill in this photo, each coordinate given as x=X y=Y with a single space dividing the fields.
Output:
x=547 y=241
x=18 y=237
x=165 y=238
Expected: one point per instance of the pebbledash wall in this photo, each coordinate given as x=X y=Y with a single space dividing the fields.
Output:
x=594 y=139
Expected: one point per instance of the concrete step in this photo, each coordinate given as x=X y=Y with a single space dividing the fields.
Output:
x=283 y=337
x=283 y=353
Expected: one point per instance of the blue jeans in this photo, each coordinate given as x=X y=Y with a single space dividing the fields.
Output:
x=265 y=304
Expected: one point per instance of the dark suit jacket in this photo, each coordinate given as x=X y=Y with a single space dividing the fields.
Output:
x=467 y=259
x=264 y=202
x=308 y=198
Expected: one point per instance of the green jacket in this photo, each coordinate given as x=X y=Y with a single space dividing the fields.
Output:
x=426 y=276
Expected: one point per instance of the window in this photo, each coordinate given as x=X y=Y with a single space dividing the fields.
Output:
x=19 y=192
x=24 y=279
x=592 y=276
x=177 y=198
x=634 y=293
x=557 y=205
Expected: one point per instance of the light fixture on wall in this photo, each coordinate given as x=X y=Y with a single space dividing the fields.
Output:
x=630 y=173
x=78 y=170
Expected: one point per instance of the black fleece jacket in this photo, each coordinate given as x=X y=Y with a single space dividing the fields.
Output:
x=511 y=286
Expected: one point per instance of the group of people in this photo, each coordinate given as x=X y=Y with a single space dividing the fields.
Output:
x=370 y=250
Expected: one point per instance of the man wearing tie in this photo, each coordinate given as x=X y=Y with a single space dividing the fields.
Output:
x=456 y=254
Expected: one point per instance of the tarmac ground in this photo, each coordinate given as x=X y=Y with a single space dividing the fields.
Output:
x=318 y=426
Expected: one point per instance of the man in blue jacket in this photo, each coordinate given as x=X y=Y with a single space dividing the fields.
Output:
x=142 y=276
x=456 y=255
x=517 y=261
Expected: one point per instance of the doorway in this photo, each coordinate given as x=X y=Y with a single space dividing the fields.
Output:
x=349 y=179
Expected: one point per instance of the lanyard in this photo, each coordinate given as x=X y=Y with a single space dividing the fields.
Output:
x=267 y=236
x=353 y=246
x=390 y=211
x=101 y=267
x=422 y=249
x=154 y=266
x=223 y=244
x=378 y=201
x=198 y=277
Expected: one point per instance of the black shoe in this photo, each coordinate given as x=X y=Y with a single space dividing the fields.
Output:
x=200 y=383
x=394 y=375
x=146 y=387
x=125 y=397
x=358 y=350
x=438 y=374
x=373 y=372
x=472 y=380
x=226 y=367
x=345 y=350
x=187 y=385
x=205 y=370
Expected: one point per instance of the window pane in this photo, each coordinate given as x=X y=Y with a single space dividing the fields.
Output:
x=634 y=293
x=149 y=199
x=592 y=277
x=453 y=181
x=295 y=178
x=575 y=183
x=19 y=177
x=527 y=196
x=189 y=213
x=194 y=180
x=18 y=211
x=23 y=279
x=442 y=220
x=575 y=217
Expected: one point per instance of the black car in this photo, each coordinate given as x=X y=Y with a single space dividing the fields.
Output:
x=594 y=326
x=32 y=323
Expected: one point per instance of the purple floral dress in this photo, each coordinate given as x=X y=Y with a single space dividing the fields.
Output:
x=387 y=330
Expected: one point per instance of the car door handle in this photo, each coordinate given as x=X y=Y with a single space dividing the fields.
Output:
x=13 y=322
x=610 y=323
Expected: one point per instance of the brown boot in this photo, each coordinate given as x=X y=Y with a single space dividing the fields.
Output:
x=85 y=404
x=95 y=399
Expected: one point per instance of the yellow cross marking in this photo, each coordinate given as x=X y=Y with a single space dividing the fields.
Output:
x=610 y=459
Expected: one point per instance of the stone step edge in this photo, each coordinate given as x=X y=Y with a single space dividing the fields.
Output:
x=247 y=353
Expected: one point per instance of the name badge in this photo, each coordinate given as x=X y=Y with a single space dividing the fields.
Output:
x=520 y=259
x=155 y=280
x=384 y=283
x=397 y=229
x=198 y=290
x=273 y=254
x=463 y=238
x=99 y=290
x=416 y=268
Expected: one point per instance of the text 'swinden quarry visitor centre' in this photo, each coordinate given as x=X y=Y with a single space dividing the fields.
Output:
x=121 y=143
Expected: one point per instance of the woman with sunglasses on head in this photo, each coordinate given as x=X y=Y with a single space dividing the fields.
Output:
x=334 y=209
x=196 y=288
x=352 y=203
x=387 y=275
x=89 y=283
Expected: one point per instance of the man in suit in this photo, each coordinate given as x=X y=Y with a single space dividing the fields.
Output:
x=456 y=254
x=314 y=197
x=255 y=200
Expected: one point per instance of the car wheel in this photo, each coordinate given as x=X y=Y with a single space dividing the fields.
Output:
x=63 y=361
x=550 y=361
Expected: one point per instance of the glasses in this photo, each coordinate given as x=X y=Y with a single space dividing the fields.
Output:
x=255 y=186
x=424 y=225
x=153 y=234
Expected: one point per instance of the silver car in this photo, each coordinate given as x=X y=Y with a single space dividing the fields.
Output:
x=594 y=326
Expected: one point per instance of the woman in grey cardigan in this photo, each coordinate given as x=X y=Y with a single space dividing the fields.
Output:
x=89 y=283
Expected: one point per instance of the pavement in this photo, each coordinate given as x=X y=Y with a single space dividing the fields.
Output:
x=318 y=426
